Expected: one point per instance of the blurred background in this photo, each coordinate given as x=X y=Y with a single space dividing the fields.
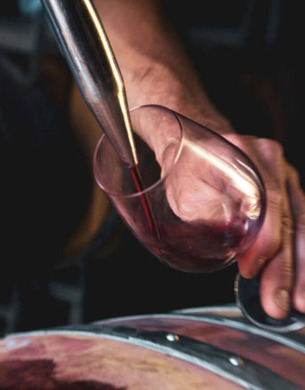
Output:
x=249 y=54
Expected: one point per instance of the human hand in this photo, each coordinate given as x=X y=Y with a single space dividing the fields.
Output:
x=157 y=70
x=278 y=251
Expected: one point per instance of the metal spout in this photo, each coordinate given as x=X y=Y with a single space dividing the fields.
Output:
x=86 y=47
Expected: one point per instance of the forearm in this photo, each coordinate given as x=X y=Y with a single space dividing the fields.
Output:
x=153 y=62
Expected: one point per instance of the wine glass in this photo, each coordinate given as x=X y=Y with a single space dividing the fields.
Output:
x=198 y=212
x=194 y=199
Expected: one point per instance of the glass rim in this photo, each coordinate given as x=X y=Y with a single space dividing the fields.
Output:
x=161 y=179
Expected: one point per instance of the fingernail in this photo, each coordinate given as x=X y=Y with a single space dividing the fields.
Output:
x=282 y=300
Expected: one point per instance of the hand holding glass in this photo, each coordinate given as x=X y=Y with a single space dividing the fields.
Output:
x=194 y=200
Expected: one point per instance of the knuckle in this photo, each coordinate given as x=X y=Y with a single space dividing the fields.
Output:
x=272 y=146
x=271 y=153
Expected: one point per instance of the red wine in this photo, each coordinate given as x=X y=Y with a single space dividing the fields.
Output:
x=189 y=247
x=197 y=247
x=138 y=181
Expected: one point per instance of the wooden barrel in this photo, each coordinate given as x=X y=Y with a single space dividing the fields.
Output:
x=203 y=348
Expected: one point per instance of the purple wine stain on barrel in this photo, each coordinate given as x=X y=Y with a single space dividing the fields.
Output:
x=40 y=375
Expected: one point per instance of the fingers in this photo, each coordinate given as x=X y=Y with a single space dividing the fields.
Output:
x=283 y=279
x=273 y=253
x=281 y=240
x=268 y=242
x=297 y=199
x=279 y=250
x=266 y=245
x=278 y=274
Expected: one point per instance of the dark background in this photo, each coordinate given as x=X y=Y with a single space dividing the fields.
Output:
x=250 y=57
